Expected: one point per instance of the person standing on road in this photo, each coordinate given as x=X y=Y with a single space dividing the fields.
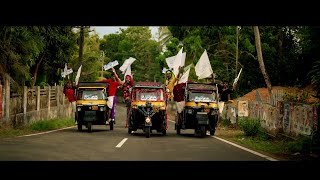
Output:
x=225 y=94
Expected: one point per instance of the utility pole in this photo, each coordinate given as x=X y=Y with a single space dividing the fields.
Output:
x=102 y=63
x=81 y=42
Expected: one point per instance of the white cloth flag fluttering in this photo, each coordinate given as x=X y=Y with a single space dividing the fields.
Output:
x=203 y=67
x=237 y=78
x=78 y=75
x=170 y=60
x=128 y=72
x=110 y=65
x=184 y=78
x=177 y=62
x=127 y=63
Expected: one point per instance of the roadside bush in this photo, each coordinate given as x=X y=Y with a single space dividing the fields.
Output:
x=303 y=145
x=225 y=122
x=251 y=127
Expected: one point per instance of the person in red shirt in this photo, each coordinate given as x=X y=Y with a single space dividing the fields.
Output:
x=69 y=92
x=113 y=86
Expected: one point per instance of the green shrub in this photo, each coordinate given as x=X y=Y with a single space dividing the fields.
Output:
x=225 y=122
x=249 y=126
x=303 y=145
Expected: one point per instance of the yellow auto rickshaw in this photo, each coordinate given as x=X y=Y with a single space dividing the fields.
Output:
x=148 y=108
x=91 y=104
x=201 y=109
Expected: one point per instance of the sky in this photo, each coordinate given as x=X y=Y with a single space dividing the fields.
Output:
x=103 y=30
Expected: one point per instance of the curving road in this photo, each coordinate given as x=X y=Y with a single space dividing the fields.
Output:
x=117 y=145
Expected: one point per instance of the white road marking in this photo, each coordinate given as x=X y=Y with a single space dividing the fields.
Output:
x=243 y=148
x=246 y=149
x=46 y=132
x=122 y=142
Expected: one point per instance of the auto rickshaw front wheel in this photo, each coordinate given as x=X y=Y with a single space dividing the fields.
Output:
x=111 y=125
x=79 y=126
x=200 y=131
x=164 y=132
x=147 y=131
x=89 y=126
x=178 y=128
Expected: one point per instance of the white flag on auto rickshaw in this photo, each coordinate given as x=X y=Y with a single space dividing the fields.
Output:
x=177 y=62
x=184 y=78
x=203 y=67
x=170 y=60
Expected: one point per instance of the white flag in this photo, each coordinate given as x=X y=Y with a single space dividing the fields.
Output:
x=177 y=62
x=128 y=72
x=64 y=73
x=184 y=78
x=237 y=78
x=170 y=60
x=203 y=67
x=126 y=64
x=78 y=75
x=110 y=65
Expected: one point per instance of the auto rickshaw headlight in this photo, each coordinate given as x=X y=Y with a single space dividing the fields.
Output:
x=101 y=108
x=79 y=109
x=190 y=111
x=148 y=120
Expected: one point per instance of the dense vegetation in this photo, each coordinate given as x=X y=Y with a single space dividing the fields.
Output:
x=35 y=55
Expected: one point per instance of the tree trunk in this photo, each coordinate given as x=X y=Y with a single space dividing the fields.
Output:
x=237 y=51
x=280 y=55
x=40 y=58
x=260 y=59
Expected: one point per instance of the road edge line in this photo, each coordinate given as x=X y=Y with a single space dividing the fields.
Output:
x=46 y=132
x=246 y=149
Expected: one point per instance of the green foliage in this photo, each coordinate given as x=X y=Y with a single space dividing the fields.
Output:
x=37 y=126
x=250 y=126
x=303 y=145
x=225 y=122
x=51 y=124
x=296 y=97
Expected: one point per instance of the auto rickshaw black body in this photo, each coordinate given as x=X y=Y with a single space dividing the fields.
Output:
x=201 y=109
x=91 y=104
x=148 y=108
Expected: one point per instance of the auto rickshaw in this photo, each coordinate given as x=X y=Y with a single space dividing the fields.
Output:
x=148 y=108
x=201 y=109
x=91 y=104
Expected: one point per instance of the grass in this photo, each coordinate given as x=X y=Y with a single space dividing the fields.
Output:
x=279 y=147
x=38 y=126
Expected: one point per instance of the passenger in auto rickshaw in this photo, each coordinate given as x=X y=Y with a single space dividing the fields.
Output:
x=170 y=82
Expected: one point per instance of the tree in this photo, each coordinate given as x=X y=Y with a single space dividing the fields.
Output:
x=260 y=58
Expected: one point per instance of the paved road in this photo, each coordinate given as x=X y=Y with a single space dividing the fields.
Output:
x=117 y=145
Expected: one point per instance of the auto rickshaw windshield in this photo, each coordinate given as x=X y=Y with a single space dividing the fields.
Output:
x=149 y=95
x=91 y=95
x=202 y=96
